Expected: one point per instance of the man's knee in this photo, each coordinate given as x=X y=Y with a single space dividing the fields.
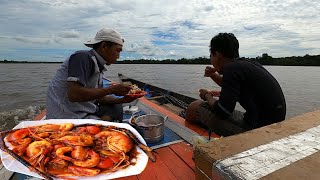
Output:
x=191 y=112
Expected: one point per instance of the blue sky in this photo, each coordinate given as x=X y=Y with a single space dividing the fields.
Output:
x=49 y=30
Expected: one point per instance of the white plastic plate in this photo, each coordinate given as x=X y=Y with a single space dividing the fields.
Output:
x=141 y=162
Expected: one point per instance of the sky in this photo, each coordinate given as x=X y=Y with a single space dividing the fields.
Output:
x=51 y=30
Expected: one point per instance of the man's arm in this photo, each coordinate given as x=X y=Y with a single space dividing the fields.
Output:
x=229 y=95
x=217 y=78
x=212 y=73
x=78 y=93
x=113 y=100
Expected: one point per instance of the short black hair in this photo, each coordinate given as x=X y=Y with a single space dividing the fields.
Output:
x=96 y=46
x=225 y=43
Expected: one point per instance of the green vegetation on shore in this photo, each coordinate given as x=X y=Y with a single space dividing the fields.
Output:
x=265 y=59
x=21 y=62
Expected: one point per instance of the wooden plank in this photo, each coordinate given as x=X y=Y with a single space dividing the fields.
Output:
x=40 y=116
x=306 y=168
x=175 y=164
x=283 y=148
x=158 y=170
x=184 y=150
x=265 y=159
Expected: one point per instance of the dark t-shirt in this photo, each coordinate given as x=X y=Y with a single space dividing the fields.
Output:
x=257 y=91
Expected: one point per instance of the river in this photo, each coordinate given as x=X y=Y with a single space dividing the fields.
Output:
x=23 y=86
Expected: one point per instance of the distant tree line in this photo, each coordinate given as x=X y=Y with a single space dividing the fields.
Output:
x=13 y=61
x=265 y=59
x=306 y=60
x=199 y=60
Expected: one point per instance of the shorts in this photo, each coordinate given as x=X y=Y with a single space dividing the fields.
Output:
x=233 y=125
x=115 y=111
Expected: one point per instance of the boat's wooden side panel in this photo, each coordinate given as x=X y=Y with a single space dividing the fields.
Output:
x=184 y=150
x=176 y=165
x=173 y=162
x=157 y=170
x=286 y=150
x=40 y=116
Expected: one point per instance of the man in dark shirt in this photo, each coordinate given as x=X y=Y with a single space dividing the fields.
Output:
x=243 y=81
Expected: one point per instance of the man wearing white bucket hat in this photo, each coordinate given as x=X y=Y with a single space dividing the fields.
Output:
x=76 y=91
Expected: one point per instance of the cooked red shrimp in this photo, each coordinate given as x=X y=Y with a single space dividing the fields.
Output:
x=38 y=152
x=91 y=160
x=62 y=150
x=77 y=140
x=53 y=127
x=117 y=141
x=79 y=153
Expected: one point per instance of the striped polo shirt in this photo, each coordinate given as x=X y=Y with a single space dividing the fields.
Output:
x=84 y=67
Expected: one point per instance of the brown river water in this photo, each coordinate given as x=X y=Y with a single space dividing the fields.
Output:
x=23 y=86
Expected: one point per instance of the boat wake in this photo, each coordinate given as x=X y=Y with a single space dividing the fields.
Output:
x=9 y=119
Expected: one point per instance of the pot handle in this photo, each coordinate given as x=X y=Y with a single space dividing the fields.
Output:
x=133 y=116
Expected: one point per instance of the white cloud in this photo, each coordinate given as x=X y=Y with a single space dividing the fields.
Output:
x=160 y=29
x=69 y=34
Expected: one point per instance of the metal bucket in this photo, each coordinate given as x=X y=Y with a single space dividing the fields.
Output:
x=151 y=127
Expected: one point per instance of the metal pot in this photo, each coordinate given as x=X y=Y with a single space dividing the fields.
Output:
x=151 y=127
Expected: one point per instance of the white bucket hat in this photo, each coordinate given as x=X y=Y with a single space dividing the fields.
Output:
x=106 y=34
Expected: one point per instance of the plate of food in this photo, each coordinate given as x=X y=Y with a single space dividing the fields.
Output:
x=77 y=149
x=136 y=92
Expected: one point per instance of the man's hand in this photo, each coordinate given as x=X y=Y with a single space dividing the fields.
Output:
x=209 y=71
x=213 y=74
x=203 y=93
x=215 y=93
x=120 y=89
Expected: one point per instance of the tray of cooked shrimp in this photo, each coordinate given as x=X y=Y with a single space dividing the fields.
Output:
x=74 y=148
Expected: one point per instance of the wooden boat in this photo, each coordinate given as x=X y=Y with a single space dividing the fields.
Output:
x=174 y=158
x=172 y=101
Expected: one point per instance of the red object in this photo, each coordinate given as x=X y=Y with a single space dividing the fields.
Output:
x=140 y=94
x=93 y=129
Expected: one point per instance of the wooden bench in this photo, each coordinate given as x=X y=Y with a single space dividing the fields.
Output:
x=285 y=150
